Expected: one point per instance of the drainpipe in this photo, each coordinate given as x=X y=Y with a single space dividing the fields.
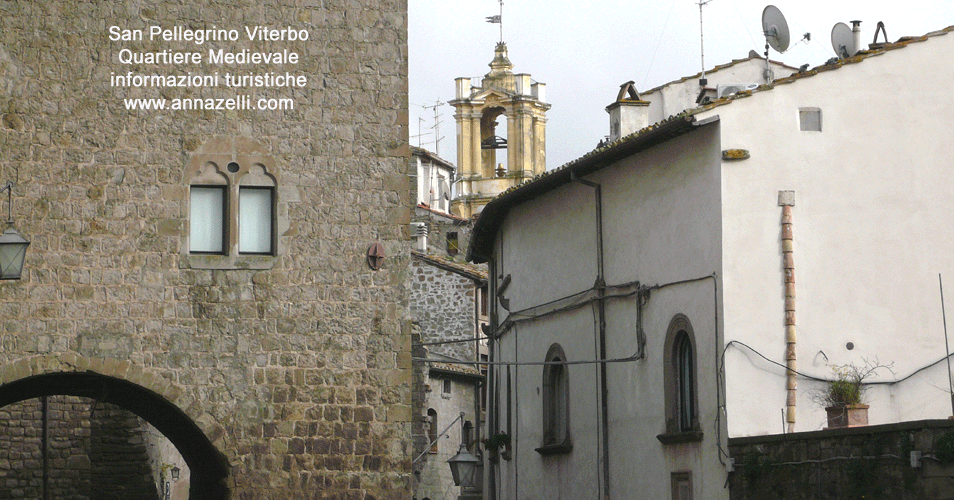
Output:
x=493 y=398
x=601 y=311
x=786 y=199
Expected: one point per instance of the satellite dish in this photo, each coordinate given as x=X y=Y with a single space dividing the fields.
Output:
x=842 y=40
x=445 y=190
x=775 y=28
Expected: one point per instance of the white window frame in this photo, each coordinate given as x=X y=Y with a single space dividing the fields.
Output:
x=208 y=228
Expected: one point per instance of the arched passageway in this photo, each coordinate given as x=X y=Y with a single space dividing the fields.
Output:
x=209 y=468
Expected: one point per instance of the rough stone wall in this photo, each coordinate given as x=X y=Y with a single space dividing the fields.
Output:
x=443 y=303
x=845 y=464
x=443 y=308
x=94 y=451
x=303 y=368
x=21 y=454
x=70 y=431
x=119 y=462
x=18 y=462
x=418 y=401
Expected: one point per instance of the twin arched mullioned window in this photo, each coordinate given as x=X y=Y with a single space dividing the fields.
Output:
x=233 y=204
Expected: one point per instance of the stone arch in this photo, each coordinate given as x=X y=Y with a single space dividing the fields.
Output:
x=488 y=131
x=148 y=395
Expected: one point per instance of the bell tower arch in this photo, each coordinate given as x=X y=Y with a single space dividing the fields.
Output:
x=481 y=150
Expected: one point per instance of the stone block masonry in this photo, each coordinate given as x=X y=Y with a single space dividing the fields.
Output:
x=93 y=450
x=293 y=365
x=903 y=461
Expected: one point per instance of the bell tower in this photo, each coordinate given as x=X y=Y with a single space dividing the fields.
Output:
x=501 y=95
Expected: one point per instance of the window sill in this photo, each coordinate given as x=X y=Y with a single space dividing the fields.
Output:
x=555 y=449
x=680 y=437
x=241 y=261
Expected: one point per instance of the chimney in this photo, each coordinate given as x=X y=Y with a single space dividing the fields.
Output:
x=856 y=37
x=628 y=114
x=419 y=230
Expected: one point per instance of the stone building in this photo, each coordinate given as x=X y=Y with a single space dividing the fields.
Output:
x=448 y=307
x=207 y=269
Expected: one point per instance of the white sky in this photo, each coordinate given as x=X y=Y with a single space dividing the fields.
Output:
x=584 y=50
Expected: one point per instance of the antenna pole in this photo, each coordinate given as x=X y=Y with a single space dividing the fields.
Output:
x=437 y=126
x=420 y=120
x=947 y=349
x=702 y=47
x=501 y=21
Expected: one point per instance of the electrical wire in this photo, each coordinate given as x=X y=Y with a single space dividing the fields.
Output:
x=438 y=438
x=744 y=24
x=658 y=42
x=832 y=459
x=568 y=303
x=821 y=379
x=442 y=342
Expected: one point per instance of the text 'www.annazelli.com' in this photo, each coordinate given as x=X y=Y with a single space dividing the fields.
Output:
x=201 y=104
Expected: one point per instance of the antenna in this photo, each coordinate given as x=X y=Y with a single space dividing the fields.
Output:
x=776 y=34
x=437 y=125
x=702 y=51
x=420 y=120
x=842 y=41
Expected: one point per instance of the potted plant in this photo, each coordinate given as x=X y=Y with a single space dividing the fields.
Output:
x=843 y=396
x=493 y=444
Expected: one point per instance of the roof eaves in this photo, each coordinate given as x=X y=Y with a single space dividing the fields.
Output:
x=453 y=369
x=828 y=66
x=423 y=206
x=713 y=70
x=467 y=270
x=416 y=151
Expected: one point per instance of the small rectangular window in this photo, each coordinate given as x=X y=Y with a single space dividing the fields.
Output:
x=255 y=220
x=483 y=298
x=207 y=219
x=447 y=387
x=809 y=119
x=681 y=485
x=452 y=245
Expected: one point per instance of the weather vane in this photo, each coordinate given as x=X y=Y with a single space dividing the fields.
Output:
x=498 y=19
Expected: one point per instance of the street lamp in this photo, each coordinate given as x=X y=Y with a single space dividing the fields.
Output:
x=12 y=245
x=463 y=465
